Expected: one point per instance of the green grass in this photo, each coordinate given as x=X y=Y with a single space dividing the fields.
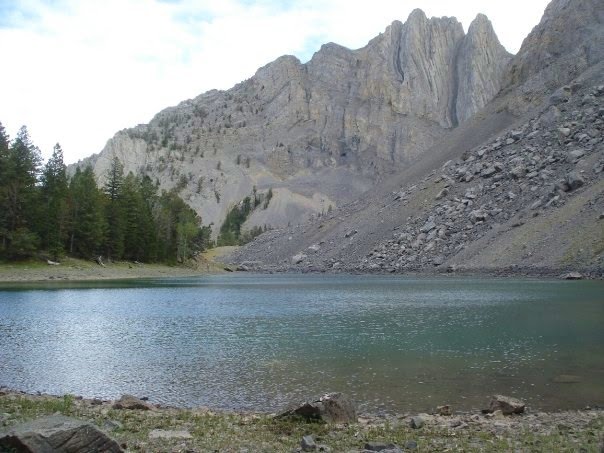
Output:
x=227 y=432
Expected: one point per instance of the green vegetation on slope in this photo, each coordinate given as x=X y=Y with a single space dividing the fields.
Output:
x=230 y=231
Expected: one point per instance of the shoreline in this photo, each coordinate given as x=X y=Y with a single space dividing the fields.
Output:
x=155 y=428
x=209 y=263
x=74 y=270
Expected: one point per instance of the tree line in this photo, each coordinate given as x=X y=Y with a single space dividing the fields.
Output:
x=43 y=211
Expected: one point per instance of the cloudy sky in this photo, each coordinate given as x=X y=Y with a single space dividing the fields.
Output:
x=77 y=71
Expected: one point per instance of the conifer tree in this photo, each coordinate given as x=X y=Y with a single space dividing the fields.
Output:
x=114 y=244
x=20 y=195
x=4 y=162
x=86 y=219
x=54 y=198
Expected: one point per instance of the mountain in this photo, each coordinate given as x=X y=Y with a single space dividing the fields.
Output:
x=517 y=186
x=319 y=134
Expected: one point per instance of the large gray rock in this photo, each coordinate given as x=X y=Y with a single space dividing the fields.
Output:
x=132 y=403
x=330 y=408
x=56 y=434
x=506 y=404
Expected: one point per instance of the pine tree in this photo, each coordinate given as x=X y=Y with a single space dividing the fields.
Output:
x=55 y=208
x=86 y=219
x=114 y=245
x=20 y=196
x=4 y=174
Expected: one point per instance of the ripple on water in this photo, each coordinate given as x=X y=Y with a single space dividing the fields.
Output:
x=259 y=342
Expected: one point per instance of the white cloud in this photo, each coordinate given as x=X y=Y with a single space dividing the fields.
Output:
x=77 y=71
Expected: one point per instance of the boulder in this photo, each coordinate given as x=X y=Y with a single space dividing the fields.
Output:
x=518 y=171
x=350 y=233
x=442 y=194
x=488 y=172
x=428 y=226
x=572 y=276
x=574 y=180
x=314 y=248
x=308 y=444
x=417 y=422
x=56 y=434
x=444 y=410
x=506 y=404
x=297 y=259
x=576 y=154
x=132 y=403
x=478 y=216
x=330 y=408
x=563 y=132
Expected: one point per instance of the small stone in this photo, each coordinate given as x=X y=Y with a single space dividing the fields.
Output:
x=576 y=154
x=438 y=261
x=563 y=131
x=308 y=443
x=297 y=259
x=350 y=233
x=417 y=422
x=410 y=445
x=169 y=434
x=444 y=410
x=382 y=446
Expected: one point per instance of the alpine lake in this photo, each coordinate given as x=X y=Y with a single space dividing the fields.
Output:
x=260 y=342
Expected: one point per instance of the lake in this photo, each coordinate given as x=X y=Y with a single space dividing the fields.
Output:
x=259 y=342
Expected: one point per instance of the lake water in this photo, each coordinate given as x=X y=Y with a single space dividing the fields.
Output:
x=261 y=341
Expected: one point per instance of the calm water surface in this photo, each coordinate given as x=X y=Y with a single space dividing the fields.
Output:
x=259 y=341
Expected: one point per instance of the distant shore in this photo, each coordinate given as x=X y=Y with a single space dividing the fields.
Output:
x=80 y=270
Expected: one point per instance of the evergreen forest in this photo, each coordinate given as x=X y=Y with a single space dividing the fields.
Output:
x=46 y=213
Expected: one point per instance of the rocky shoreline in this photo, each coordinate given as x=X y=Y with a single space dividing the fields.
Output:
x=134 y=424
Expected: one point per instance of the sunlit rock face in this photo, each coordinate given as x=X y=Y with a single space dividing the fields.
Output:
x=318 y=134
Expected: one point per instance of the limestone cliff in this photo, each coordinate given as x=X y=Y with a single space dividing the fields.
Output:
x=518 y=187
x=318 y=134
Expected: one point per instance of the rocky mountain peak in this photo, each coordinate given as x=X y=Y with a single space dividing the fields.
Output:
x=481 y=63
x=318 y=134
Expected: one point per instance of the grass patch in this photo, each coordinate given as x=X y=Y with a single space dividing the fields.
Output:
x=227 y=432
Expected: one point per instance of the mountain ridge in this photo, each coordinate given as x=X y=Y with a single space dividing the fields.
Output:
x=318 y=134
x=517 y=187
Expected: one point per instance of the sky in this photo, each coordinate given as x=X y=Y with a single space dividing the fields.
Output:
x=77 y=71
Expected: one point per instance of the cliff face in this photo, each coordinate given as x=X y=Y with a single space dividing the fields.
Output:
x=568 y=40
x=318 y=134
x=517 y=187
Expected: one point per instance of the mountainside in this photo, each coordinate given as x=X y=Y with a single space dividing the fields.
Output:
x=519 y=185
x=322 y=133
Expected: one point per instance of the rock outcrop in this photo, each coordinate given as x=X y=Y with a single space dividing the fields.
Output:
x=57 y=434
x=320 y=133
x=330 y=408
